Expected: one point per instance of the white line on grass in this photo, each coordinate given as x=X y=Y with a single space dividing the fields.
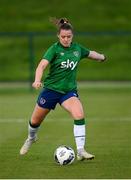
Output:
x=115 y=119
x=100 y=119
x=106 y=84
x=12 y=120
x=81 y=84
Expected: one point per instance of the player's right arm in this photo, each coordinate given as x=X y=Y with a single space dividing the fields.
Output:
x=39 y=72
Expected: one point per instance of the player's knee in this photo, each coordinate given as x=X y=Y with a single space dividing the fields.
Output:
x=78 y=115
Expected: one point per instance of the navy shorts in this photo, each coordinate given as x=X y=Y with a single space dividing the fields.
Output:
x=49 y=98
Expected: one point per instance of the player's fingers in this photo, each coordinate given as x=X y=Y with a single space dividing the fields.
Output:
x=40 y=84
x=103 y=60
x=37 y=85
x=34 y=85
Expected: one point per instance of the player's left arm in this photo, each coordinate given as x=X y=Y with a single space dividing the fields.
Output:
x=96 y=56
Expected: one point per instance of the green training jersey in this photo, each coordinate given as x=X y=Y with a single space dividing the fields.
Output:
x=63 y=66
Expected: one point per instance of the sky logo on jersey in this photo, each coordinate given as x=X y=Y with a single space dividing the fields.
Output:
x=68 y=64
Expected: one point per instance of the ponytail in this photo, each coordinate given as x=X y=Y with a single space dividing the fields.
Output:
x=61 y=23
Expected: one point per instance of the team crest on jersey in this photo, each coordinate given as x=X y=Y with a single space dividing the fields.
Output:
x=76 y=53
x=62 y=53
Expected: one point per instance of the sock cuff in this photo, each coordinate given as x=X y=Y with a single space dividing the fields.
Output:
x=33 y=126
x=79 y=122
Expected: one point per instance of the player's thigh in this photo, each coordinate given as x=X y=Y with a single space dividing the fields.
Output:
x=39 y=114
x=74 y=106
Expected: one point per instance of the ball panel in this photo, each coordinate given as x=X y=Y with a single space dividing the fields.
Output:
x=64 y=155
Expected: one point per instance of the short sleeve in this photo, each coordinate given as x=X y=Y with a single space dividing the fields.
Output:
x=84 y=52
x=50 y=54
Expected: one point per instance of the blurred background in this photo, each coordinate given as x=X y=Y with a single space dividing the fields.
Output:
x=26 y=33
x=104 y=88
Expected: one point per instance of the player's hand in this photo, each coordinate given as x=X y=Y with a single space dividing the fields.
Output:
x=103 y=60
x=37 y=84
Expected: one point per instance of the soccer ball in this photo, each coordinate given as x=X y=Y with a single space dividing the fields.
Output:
x=64 y=155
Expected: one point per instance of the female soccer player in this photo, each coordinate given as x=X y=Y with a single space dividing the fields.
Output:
x=60 y=86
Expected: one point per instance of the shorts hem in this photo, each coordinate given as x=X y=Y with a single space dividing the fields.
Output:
x=45 y=107
x=68 y=97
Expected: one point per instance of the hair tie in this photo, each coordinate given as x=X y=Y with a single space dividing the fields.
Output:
x=63 y=20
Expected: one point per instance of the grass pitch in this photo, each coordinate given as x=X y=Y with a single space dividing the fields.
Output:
x=108 y=115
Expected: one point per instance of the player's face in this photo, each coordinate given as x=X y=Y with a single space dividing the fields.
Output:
x=65 y=37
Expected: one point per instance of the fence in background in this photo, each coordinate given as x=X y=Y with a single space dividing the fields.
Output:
x=31 y=35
